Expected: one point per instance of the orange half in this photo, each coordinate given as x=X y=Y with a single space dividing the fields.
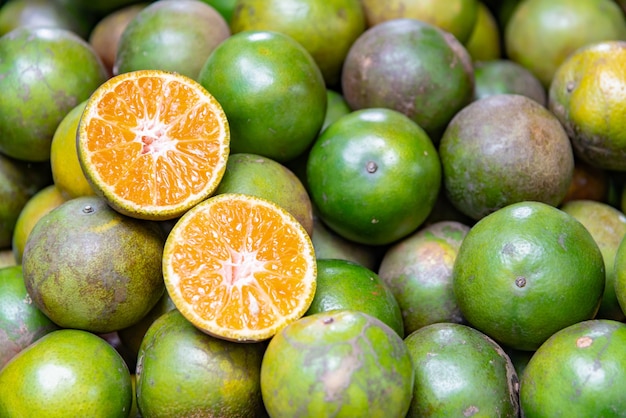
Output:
x=153 y=143
x=239 y=267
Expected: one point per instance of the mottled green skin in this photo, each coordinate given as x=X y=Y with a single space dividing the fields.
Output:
x=263 y=177
x=502 y=76
x=460 y=372
x=410 y=66
x=66 y=373
x=183 y=372
x=271 y=90
x=343 y=284
x=338 y=363
x=21 y=322
x=173 y=36
x=505 y=149
x=526 y=271
x=418 y=270
x=93 y=269
x=374 y=176
x=19 y=181
x=579 y=371
x=44 y=73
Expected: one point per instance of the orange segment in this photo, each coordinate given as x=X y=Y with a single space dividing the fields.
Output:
x=239 y=267
x=153 y=143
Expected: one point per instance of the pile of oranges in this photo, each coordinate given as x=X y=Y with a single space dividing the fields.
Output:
x=281 y=208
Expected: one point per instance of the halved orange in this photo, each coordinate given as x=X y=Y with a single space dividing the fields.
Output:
x=153 y=143
x=239 y=267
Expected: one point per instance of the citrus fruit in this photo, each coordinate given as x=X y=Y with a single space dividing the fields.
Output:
x=587 y=96
x=410 y=66
x=540 y=34
x=620 y=275
x=106 y=33
x=580 y=369
x=335 y=108
x=89 y=267
x=503 y=76
x=153 y=143
x=21 y=322
x=484 y=43
x=588 y=183
x=418 y=271
x=184 y=372
x=272 y=91
x=225 y=7
x=607 y=226
x=457 y=17
x=338 y=363
x=504 y=149
x=44 y=73
x=67 y=174
x=19 y=181
x=19 y=13
x=460 y=372
x=326 y=29
x=343 y=284
x=66 y=373
x=526 y=271
x=38 y=205
x=239 y=267
x=173 y=36
x=374 y=176
x=261 y=176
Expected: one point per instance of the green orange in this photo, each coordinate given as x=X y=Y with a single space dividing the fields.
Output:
x=374 y=176
x=271 y=90
x=526 y=271
x=503 y=76
x=19 y=13
x=484 y=43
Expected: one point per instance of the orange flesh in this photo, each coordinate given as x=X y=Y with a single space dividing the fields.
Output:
x=237 y=281
x=154 y=141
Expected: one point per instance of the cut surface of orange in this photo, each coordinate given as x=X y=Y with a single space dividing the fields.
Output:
x=239 y=267
x=153 y=143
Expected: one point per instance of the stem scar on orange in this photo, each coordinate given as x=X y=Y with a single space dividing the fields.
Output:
x=239 y=267
x=153 y=143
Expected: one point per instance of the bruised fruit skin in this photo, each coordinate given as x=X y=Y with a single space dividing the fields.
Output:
x=66 y=373
x=184 y=372
x=337 y=363
x=21 y=322
x=88 y=267
x=447 y=355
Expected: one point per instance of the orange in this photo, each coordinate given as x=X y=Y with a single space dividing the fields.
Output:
x=526 y=271
x=19 y=13
x=45 y=73
x=504 y=149
x=272 y=91
x=239 y=267
x=540 y=34
x=21 y=322
x=263 y=177
x=89 y=267
x=153 y=143
x=484 y=42
x=620 y=275
x=183 y=372
x=460 y=372
x=326 y=29
x=41 y=203
x=607 y=225
x=225 y=7
x=503 y=76
x=67 y=174
x=175 y=36
x=66 y=373
x=343 y=284
x=373 y=176
x=335 y=108
x=339 y=363
x=457 y=17
x=587 y=96
x=579 y=370
x=410 y=66
x=418 y=271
